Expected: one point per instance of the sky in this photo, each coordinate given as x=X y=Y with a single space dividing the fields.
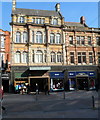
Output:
x=71 y=11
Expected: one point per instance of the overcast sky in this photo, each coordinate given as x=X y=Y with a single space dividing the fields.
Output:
x=72 y=11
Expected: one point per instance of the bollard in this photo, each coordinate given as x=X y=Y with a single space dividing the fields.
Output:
x=93 y=102
x=36 y=95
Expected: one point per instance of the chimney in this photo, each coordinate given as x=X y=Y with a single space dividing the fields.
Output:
x=13 y=5
x=57 y=7
x=82 y=20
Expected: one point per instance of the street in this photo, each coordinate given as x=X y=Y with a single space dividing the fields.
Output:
x=77 y=104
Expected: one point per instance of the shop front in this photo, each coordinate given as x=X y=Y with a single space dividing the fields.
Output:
x=56 y=81
x=81 y=80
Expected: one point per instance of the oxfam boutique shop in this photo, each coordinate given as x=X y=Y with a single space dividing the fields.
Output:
x=56 y=81
x=82 y=80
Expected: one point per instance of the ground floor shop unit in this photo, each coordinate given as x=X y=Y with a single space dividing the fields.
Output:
x=74 y=77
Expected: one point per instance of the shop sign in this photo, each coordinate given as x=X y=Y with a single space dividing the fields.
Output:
x=56 y=75
x=40 y=68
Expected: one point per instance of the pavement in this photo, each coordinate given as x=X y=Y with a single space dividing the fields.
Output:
x=77 y=104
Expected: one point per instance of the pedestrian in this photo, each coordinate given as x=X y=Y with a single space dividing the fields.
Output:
x=46 y=89
x=1 y=97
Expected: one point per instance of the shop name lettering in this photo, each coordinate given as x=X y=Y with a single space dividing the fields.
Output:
x=56 y=74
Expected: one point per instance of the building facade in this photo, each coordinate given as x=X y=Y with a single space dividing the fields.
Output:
x=43 y=45
x=5 y=58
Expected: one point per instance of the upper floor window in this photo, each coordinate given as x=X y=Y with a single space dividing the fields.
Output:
x=90 y=57
x=81 y=57
x=80 y=40
x=24 y=59
x=25 y=37
x=59 y=57
x=53 y=57
x=2 y=41
x=22 y=19
x=39 y=37
x=70 y=39
x=18 y=57
x=38 y=20
x=52 y=38
x=72 y=57
x=32 y=36
x=33 y=20
x=89 y=40
x=39 y=56
x=18 y=37
x=58 y=38
x=98 y=41
x=55 y=21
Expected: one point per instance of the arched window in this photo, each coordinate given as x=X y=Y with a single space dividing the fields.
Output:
x=59 y=57
x=25 y=37
x=24 y=58
x=39 y=37
x=18 y=37
x=58 y=38
x=39 y=56
x=17 y=57
x=52 y=38
x=53 y=57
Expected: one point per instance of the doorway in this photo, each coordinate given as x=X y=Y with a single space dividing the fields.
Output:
x=41 y=83
x=82 y=83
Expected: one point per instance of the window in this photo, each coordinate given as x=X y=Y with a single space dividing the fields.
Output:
x=53 y=57
x=98 y=57
x=45 y=56
x=33 y=37
x=71 y=40
x=71 y=57
x=33 y=20
x=59 y=57
x=84 y=57
x=89 y=40
x=25 y=37
x=22 y=20
x=98 y=41
x=42 y=21
x=39 y=37
x=2 y=41
x=52 y=38
x=55 y=21
x=25 y=56
x=81 y=57
x=39 y=57
x=18 y=37
x=90 y=57
x=17 y=57
x=80 y=40
x=38 y=21
x=58 y=38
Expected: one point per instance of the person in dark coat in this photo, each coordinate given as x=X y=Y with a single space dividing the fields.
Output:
x=46 y=89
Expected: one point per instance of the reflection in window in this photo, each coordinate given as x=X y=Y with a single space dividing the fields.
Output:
x=58 y=38
x=59 y=57
x=52 y=38
x=25 y=56
x=25 y=37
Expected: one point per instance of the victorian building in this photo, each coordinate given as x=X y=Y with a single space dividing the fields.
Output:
x=46 y=49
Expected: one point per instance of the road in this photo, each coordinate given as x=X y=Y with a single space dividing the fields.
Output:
x=77 y=104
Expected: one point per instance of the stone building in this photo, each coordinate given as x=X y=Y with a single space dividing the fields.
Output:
x=43 y=46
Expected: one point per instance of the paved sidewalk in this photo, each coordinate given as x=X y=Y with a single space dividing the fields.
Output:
x=77 y=104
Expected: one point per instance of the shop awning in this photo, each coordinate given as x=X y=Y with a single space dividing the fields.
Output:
x=39 y=68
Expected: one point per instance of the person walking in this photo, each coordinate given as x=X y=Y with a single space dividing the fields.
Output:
x=46 y=89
